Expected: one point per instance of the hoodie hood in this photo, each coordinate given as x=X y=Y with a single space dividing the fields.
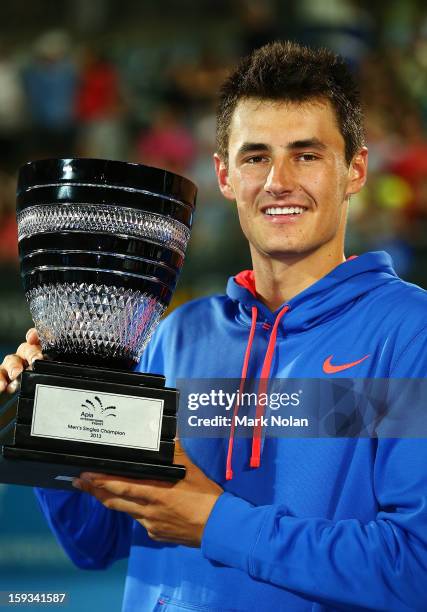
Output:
x=322 y=300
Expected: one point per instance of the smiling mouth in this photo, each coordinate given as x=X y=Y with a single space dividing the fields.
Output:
x=284 y=210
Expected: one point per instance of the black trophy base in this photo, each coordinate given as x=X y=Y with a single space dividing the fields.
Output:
x=87 y=436
x=57 y=470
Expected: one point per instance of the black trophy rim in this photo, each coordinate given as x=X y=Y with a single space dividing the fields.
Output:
x=85 y=359
x=60 y=195
x=99 y=261
x=103 y=243
x=101 y=172
x=40 y=278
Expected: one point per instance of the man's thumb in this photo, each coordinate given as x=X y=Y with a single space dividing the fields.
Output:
x=180 y=455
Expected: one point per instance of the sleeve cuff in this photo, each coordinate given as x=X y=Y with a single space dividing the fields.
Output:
x=232 y=530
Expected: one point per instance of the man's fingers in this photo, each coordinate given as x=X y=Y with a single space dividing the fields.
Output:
x=13 y=366
x=145 y=491
x=178 y=448
x=13 y=386
x=180 y=456
x=112 y=501
x=32 y=336
x=5 y=382
x=122 y=487
x=4 y=379
x=29 y=352
x=25 y=355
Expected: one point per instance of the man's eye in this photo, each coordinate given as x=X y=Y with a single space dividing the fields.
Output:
x=255 y=159
x=307 y=157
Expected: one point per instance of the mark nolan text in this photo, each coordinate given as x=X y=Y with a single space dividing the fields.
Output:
x=245 y=421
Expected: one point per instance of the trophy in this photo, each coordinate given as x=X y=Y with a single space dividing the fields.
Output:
x=101 y=246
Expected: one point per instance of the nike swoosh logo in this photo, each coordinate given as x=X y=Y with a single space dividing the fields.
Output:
x=328 y=368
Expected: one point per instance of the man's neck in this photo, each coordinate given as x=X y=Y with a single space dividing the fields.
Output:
x=278 y=281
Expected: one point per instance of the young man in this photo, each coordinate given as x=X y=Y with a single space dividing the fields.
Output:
x=288 y=524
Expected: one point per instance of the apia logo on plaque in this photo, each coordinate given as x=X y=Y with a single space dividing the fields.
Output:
x=92 y=408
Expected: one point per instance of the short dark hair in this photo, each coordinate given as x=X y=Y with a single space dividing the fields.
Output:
x=288 y=71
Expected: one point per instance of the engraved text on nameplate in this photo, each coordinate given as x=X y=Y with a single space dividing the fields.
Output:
x=98 y=418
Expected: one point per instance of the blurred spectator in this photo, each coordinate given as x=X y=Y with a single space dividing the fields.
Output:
x=197 y=82
x=260 y=23
x=8 y=227
x=100 y=108
x=50 y=82
x=342 y=25
x=12 y=110
x=411 y=165
x=168 y=143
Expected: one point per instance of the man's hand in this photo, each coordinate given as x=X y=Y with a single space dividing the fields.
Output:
x=170 y=512
x=13 y=365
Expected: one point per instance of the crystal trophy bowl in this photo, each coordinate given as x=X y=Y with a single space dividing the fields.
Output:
x=101 y=246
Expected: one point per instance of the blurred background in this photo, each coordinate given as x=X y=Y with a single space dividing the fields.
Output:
x=137 y=81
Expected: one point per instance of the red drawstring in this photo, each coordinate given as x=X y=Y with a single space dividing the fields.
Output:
x=263 y=384
x=265 y=373
x=228 y=469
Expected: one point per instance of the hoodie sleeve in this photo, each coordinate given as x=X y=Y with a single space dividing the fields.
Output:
x=92 y=536
x=379 y=565
x=345 y=564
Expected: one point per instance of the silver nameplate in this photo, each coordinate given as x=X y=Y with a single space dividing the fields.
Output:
x=97 y=418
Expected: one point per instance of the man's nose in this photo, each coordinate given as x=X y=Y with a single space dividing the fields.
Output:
x=280 y=179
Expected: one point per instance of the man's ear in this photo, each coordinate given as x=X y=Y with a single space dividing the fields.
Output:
x=357 y=172
x=222 y=176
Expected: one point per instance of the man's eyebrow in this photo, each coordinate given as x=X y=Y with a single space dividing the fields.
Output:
x=247 y=147
x=308 y=143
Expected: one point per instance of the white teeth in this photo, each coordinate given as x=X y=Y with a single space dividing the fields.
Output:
x=285 y=210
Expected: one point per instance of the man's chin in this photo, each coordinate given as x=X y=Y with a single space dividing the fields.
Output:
x=288 y=252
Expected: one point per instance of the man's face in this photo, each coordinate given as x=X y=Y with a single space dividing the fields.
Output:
x=288 y=174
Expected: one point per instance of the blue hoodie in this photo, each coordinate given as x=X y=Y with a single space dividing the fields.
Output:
x=321 y=524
